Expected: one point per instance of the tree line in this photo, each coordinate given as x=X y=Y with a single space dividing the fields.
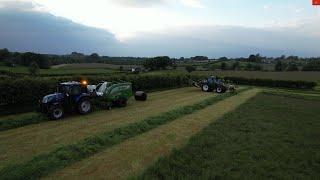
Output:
x=254 y=62
x=44 y=61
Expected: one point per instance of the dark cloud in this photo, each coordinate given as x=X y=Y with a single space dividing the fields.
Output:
x=43 y=32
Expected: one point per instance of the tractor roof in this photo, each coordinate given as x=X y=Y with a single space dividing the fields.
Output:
x=70 y=83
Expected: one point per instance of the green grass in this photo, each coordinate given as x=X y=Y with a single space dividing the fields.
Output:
x=17 y=69
x=43 y=164
x=11 y=122
x=269 y=137
x=293 y=76
x=293 y=94
x=75 y=127
x=298 y=75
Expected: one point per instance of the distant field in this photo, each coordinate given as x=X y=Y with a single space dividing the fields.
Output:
x=97 y=68
x=91 y=66
x=61 y=70
x=298 y=75
x=303 y=75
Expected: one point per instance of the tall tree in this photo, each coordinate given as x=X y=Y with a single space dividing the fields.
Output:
x=34 y=68
x=278 y=66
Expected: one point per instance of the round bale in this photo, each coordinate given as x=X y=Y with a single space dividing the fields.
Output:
x=140 y=96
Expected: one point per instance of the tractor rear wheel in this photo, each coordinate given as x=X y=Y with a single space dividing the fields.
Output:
x=56 y=112
x=121 y=102
x=84 y=106
x=220 y=89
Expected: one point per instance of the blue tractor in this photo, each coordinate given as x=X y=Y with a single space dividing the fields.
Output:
x=70 y=96
x=213 y=83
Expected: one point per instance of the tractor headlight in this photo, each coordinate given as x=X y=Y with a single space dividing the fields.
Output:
x=47 y=99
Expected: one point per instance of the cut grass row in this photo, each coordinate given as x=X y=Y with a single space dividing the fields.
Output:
x=292 y=94
x=28 y=141
x=269 y=137
x=11 y=122
x=135 y=154
x=43 y=164
x=24 y=119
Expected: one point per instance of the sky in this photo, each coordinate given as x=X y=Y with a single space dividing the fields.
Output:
x=176 y=28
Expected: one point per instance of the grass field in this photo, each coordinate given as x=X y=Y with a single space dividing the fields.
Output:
x=257 y=134
x=32 y=140
x=92 y=66
x=74 y=152
x=269 y=137
x=297 y=75
x=97 y=68
x=133 y=155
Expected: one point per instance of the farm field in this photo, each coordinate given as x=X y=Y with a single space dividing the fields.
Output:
x=205 y=134
x=91 y=66
x=133 y=155
x=31 y=140
x=269 y=137
x=99 y=68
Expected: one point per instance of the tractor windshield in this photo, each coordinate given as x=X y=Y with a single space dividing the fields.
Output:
x=101 y=88
x=63 y=89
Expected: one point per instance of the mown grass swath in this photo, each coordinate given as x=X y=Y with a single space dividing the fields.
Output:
x=61 y=157
x=256 y=141
x=31 y=118
x=297 y=95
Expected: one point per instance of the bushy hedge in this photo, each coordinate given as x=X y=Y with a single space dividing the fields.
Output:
x=22 y=91
x=273 y=83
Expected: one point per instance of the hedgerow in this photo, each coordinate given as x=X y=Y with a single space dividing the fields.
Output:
x=43 y=164
x=22 y=91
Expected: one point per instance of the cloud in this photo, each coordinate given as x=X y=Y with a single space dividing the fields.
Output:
x=24 y=29
x=140 y=3
x=192 y=3
x=266 y=7
x=231 y=41
x=21 y=5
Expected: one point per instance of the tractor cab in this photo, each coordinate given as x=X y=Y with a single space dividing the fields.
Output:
x=72 y=88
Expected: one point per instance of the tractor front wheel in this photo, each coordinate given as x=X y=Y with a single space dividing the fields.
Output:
x=84 y=106
x=205 y=88
x=56 y=112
